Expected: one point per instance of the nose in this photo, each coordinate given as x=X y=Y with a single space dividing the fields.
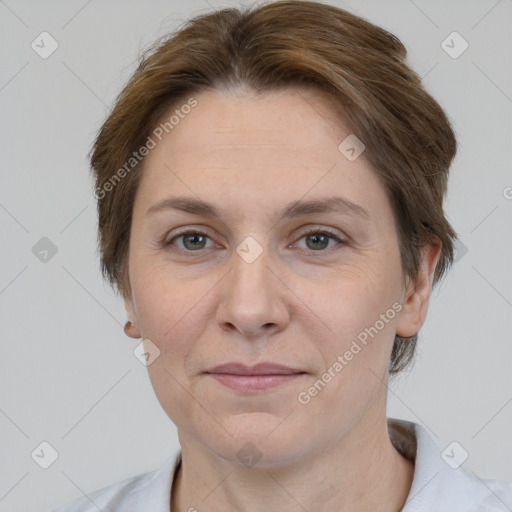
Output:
x=254 y=299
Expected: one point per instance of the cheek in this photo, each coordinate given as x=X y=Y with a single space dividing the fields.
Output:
x=355 y=352
x=357 y=312
x=172 y=315
x=348 y=300
x=162 y=301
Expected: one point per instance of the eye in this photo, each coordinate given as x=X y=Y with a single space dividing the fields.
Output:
x=318 y=239
x=193 y=240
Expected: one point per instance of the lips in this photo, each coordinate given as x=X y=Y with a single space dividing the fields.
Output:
x=258 y=369
x=260 y=378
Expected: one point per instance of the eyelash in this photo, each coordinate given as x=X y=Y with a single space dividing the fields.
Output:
x=315 y=231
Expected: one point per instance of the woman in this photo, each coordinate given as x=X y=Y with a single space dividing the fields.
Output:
x=270 y=193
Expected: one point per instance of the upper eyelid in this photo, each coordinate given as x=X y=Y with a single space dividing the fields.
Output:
x=302 y=232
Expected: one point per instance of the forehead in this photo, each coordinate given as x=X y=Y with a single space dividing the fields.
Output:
x=278 y=147
x=287 y=121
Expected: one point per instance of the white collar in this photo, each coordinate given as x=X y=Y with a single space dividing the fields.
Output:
x=439 y=486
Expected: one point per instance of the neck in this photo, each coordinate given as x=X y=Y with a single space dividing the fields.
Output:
x=337 y=479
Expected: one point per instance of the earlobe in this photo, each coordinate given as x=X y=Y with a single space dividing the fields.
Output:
x=130 y=327
x=131 y=330
x=417 y=296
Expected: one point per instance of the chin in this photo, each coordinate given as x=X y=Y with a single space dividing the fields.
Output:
x=258 y=439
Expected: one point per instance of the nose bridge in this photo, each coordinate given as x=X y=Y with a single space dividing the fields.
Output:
x=250 y=267
x=251 y=293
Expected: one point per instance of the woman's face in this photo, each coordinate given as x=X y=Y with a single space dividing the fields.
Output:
x=252 y=286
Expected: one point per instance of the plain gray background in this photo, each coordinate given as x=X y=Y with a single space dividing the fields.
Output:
x=68 y=373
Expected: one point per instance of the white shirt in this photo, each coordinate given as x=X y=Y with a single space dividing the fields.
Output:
x=436 y=487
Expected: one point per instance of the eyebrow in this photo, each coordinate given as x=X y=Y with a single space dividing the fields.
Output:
x=334 y=204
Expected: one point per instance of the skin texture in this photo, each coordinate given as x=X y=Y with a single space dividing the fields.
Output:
x=300 y=303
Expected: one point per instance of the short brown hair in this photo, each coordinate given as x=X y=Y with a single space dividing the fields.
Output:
x=409 y=141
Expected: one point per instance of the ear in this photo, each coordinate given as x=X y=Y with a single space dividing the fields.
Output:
x=131 y=328
x=418 y=293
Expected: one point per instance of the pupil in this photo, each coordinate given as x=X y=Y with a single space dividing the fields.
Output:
x=316 y=237
x=193 y=237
